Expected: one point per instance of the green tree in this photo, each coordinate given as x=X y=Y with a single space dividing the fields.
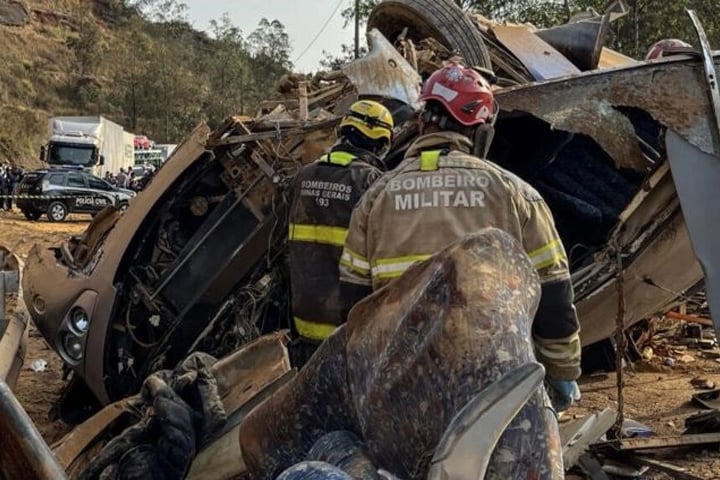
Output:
x=646 y=22
x=227 y=70
x=269 y=50
x=270 y=43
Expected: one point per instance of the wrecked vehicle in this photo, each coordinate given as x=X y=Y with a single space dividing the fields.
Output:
x=187 y=423
x=196 y=263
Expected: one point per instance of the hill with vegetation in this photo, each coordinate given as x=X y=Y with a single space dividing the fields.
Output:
x=139 y=63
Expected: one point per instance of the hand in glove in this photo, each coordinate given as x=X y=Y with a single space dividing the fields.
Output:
x=562 y=393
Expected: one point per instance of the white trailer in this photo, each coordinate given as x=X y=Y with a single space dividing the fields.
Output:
x=93 y=143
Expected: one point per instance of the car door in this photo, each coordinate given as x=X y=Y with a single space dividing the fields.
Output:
x=81 y=199
x=101 y=192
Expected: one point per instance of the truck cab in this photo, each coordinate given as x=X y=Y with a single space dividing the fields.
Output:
x=72 y=150
x=94 y=144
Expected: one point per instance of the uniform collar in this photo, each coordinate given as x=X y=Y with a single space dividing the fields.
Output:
x=364 y=155
x=433 y=141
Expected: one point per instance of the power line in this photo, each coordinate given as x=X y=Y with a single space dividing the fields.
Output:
x=322 y=29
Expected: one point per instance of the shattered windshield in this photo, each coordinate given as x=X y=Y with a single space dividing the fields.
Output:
x=71 y=154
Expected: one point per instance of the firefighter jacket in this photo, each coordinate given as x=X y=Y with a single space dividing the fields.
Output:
x=324 y=194
x=438 y=194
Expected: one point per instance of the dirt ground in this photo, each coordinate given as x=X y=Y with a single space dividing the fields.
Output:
x=655 y=394
x=38 y=390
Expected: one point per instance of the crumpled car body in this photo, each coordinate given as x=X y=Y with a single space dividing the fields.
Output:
x=196 y=262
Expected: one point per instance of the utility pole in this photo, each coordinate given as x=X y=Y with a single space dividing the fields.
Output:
x=357 y=28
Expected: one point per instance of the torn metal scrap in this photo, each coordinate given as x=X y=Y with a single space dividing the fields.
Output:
x=588 y=104
x=578 y=435
x=384 y=72
x=539 y=57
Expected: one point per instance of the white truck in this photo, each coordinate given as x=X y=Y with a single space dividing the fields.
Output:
x=94 y=144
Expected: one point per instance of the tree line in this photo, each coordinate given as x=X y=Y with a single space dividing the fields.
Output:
x=165 y=75
x=157 y=75
x=646 y=22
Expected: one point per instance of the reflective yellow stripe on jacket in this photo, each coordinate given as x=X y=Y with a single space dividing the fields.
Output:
x=355 y=262
x=318 y=234
x=430 y=160
x=547 y=255
x=313 y=330
x=384 y=268
x=339 y=158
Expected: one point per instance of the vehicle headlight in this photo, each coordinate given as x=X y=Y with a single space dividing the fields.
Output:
x=79 y=321
x=72 y=344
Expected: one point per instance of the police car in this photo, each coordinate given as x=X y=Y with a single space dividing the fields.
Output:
x=58 y=192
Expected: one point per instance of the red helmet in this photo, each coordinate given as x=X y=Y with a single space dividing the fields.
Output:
x=665 y=47
x=464 y=93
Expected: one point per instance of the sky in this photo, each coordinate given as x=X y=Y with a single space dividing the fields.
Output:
x=303 y=19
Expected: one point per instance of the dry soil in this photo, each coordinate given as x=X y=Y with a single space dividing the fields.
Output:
x=654 y=394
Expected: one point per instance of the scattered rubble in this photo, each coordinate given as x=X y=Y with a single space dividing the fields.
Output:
x=202 y=269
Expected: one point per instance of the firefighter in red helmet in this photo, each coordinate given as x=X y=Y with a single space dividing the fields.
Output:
x=441 y=192
x=667 y=47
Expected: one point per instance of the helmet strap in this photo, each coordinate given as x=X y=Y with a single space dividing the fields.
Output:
x=482 y=139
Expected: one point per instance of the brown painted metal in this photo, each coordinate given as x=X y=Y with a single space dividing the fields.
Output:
x=42 y=273
x=23 y=452
x=538 y=56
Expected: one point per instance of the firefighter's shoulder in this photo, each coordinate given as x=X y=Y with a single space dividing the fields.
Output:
x=524 y=189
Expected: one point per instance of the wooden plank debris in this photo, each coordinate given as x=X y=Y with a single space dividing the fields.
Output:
x=651 y=443
x=690 y=318
x=676 y=472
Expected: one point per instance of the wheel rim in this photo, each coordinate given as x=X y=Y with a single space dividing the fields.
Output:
x=123 y=207
x=57 y=212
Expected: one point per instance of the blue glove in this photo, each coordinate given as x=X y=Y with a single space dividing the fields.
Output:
x=562 y=393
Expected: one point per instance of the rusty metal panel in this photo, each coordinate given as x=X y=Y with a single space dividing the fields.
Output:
x=587 y=104
x=538 y=56
x=665 y=267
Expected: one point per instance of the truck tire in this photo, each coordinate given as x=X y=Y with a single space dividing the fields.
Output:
x=440 y=19
x=57 y=211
